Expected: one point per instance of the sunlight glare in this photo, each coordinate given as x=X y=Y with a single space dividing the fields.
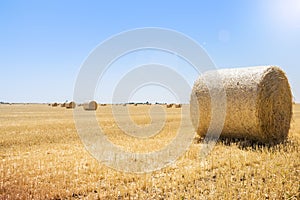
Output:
x=286 y=13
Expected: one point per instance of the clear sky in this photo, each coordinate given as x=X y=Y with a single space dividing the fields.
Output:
x=44 y=43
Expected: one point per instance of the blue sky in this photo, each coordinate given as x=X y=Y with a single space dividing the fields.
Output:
x=44 y=43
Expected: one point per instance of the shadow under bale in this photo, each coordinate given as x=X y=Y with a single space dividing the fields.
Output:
x=245 y=144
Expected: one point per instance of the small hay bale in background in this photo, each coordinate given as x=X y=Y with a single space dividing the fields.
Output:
x=54 y=105
x=178 y=105
x=258 y=104
x=169 y=105
x=91 y=105
x=103 y=104
x=135 y=104
x=63 y=105
x=70 y=105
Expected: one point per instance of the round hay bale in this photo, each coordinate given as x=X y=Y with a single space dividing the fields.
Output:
x=91 y=105
x=63 y=105
x=178 y=105
x=70 y=105
x=258 y=103
x=54 y=105
x=169 y=105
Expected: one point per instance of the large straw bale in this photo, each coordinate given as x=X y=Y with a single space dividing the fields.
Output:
x=258 y=103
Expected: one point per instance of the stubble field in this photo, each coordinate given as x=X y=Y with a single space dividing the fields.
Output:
x=42 y=157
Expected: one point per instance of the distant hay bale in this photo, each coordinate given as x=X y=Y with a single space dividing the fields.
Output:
x=70 y=105
x=103 y=104
x=178 y=105
x=135 y=104
x=63 y=105
x=258 y=103
x=91 y=105
x=54 y=105
x=169 y=105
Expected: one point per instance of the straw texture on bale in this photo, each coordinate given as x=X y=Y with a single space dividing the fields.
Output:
x=91 y=105
x=258 y=104
x=70 y=105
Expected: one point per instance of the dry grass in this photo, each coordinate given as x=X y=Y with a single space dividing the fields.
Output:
x=41 y=157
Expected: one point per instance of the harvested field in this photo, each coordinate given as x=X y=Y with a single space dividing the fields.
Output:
x=41 y=157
